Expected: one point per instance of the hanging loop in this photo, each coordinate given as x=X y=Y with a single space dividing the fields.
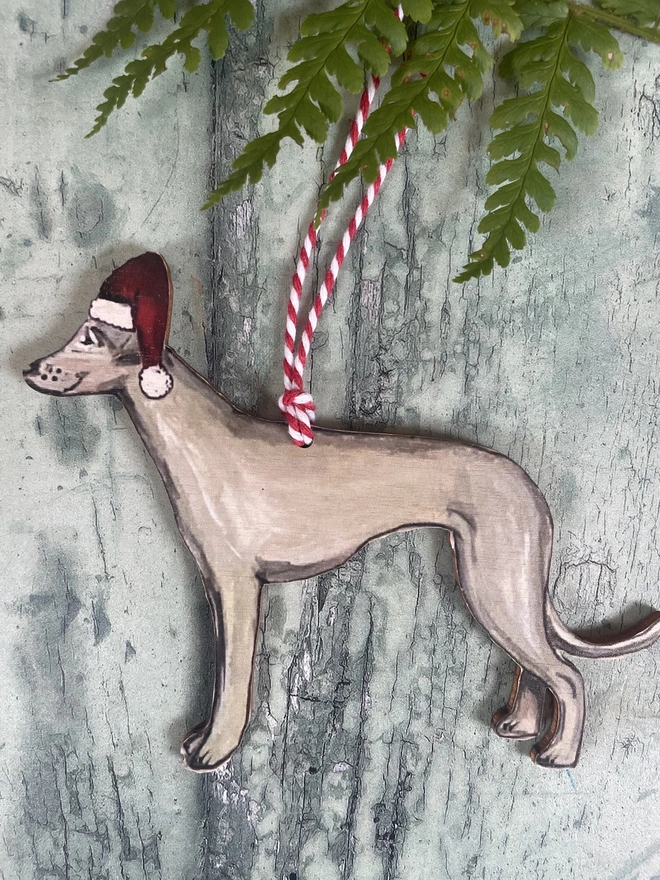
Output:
x=296 y=404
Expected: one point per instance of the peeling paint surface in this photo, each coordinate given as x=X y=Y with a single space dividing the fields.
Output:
x=369 y=755
x=98 y=684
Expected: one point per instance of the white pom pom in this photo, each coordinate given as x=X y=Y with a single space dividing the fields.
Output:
x=155 y=382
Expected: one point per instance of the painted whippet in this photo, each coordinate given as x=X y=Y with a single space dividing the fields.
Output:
x=226 y=474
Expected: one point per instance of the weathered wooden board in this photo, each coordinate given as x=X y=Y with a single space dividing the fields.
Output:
x=98 y=685
x=370 y=754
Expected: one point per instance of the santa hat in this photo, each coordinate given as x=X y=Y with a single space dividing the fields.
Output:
x=138 y=296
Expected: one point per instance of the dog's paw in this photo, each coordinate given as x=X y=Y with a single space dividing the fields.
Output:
x=556 y=756
x=509 y=726
x=193 y=740
x=202 y=752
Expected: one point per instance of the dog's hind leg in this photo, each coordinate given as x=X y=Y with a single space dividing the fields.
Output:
x=560 y=747
x=235 y=612
x=504 y=587
x=522 y=717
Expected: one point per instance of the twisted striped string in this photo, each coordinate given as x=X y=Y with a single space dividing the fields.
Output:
x=296 y=404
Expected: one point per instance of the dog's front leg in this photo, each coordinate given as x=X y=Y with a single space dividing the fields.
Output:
x=235 y=611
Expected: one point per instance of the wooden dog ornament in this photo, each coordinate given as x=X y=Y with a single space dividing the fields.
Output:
x=226 y=474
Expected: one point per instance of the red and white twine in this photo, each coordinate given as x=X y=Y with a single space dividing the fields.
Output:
x=297 y=404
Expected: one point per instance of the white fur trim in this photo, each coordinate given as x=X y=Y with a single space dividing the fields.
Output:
x=110 y=312
x=155 y=382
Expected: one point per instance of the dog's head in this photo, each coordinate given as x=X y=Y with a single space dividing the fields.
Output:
x=127 y=328
x=97 y=359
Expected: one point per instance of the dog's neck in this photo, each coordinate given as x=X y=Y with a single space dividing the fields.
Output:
x=192 y=414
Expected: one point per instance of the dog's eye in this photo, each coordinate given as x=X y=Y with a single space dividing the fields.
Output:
x=90 y=338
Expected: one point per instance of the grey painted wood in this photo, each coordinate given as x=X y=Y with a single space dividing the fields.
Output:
x=369 y=755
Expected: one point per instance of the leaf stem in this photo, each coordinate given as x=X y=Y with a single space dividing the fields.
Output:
x=615 y=21
x=487 y=250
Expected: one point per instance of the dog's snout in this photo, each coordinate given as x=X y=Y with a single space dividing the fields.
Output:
x=41 y=374
x=31 y=373
x=47 y=377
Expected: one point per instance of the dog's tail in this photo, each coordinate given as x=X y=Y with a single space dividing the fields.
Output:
x=641 y=635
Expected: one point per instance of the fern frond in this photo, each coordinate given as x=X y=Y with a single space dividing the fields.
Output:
x=321 y=59
x=541 y=13
x=445 y=65
x=627 y=24
x=418 y=10
x=128 y=14
x=554 y=78
x=644 y=12
x=208 y=18
x=501 y=15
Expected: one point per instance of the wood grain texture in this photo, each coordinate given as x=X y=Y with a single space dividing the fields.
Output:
x=90 y=781
x=370 y=754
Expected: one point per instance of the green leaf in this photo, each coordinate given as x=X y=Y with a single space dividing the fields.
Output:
x=545 y=153
x=527 y=217
x=467 y=35
x=644 y=12
x=557 y=126
x=541 y=13
x=218 y=38
x=126 y=40
x=313 y=121
x=418 y=10
x=554 y=78
x=241 y=13
x=538 y=188
x=128 y=14
x=514 y=111
x=579 y=75
x=318 y=57
x=595 y=37
x=445 y=65
x=381 y=17
x=579 y=111
x=167 y=8
x=501 y=15
x=327 y=97
x=193 y=59
x=374 y=54
x=145 y=18
x=518 y=139
x=209 y=18
x=508 y=169
x=601 y=16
